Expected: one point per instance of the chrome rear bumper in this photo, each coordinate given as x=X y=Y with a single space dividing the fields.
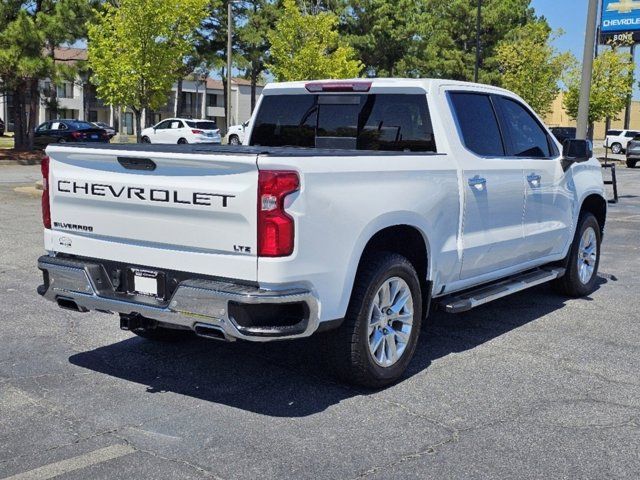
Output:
x=197 y=302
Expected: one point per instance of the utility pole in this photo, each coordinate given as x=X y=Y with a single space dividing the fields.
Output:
x=587 y=67
x=476 y=70
x=627 y=110
x=229 y=53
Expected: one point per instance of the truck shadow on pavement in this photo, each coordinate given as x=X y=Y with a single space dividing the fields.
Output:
x=290 y=379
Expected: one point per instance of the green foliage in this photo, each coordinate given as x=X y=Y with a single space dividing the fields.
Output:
x=611 y=84
x=430 y=38
x=530 y=66
x=307 y=46
x=137 y=50
x=29 y=33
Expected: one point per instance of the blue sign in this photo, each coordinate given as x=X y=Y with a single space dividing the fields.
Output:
x=620 y=16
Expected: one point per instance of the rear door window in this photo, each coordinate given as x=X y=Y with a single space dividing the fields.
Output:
x=614 y=133
x=524 y=135
x=384 y=122
x=477 y=123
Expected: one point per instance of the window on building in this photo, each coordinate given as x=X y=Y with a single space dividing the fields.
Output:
x=212 y=100
x=93 y=115
x=64 y=90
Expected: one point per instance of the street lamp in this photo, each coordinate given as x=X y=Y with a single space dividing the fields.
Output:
x=229 y=54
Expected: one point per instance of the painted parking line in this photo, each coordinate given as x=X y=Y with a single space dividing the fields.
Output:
x=76 y=463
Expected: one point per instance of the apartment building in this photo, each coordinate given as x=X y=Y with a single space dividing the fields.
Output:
x=201 y=98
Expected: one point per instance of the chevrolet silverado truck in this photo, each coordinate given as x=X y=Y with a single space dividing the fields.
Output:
x=351 y=209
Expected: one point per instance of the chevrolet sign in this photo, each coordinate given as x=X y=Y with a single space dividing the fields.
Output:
x=620 y=16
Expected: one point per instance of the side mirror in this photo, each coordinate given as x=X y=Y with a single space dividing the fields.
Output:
x=575 y=151
x=245 y=124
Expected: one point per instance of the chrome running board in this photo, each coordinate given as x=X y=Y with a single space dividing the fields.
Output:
x=469 y=299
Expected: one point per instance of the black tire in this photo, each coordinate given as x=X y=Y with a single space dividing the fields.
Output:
x=62 y=140
x=616 y=148
x=145 y=139
x=182 y=141
x=571 y=284
x=234 y=140
x=631 y=163
x=347 y=348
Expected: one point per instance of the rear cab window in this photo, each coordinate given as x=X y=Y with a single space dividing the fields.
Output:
x=382 y=122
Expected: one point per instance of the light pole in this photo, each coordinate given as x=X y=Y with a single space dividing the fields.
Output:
x=229 y=53
x=587 y=66
x=476 y=70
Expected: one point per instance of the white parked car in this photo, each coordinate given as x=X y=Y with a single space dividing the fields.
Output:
x=236 y=133
x=353 y=206
x=617 y=140
x=182 y=130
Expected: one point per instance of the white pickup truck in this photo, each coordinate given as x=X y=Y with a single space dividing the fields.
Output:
x=352 y=207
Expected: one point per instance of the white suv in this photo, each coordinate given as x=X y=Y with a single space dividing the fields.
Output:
x=182 y=130
x=617 y=140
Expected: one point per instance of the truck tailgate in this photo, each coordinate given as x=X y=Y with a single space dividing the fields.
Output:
x=192 y=212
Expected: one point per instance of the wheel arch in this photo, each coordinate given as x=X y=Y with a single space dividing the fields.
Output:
x=406 y=240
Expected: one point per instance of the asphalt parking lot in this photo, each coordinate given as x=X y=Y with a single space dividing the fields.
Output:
x=532 y=386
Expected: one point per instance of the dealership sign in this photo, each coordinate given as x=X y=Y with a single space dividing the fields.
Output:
x=620 y=20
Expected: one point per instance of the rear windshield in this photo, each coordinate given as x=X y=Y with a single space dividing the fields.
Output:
x=386 y=122
x=614 y=132
x=202 y=125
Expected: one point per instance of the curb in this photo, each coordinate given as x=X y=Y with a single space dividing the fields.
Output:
x=32 y=191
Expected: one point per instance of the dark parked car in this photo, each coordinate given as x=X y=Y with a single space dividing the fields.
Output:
x=633 y=152
x=60 y=131
x=564 y=133
x=108 y=128
x=1 y=127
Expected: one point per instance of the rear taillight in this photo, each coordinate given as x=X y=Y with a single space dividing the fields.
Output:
x=276 y=229
x=46 y=207
x=197 y=132
x=76 y=135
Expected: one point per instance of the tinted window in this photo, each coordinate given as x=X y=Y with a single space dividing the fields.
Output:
x=81 y=125
x=43 y=126
x=366 y=122
x=614 y=133
x=203 y=125
x=630 y=134
x=163 y=125
x=478 y=123
x=525 y=136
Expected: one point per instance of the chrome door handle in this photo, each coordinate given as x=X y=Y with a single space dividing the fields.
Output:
x=534 y=180
x=478 y=182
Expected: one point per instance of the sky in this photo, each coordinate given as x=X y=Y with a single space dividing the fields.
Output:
x=570 y=16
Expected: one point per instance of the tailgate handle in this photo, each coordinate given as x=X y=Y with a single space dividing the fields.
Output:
x=137 y=163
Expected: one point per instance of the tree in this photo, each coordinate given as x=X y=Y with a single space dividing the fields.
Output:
x=430 y=38
x=30 y=32
x=137 y=50
x=611 y=84
x=530 y=66
x=257 y=20
x=305 y=47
